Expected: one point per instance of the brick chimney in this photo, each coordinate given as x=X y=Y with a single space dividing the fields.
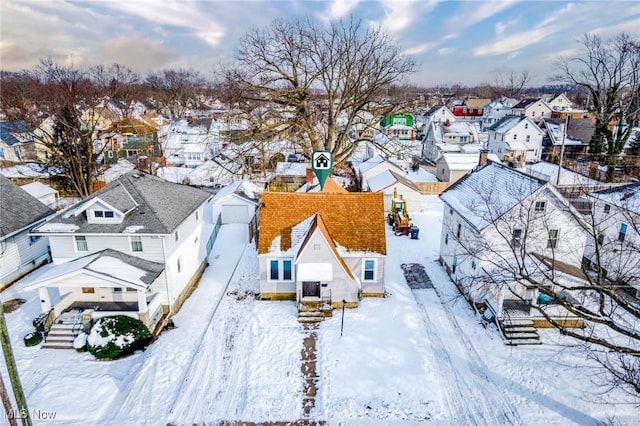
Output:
x=309 y=176
x=484 y=155
x=143 y=163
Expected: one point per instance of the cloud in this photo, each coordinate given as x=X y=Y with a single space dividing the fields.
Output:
x=178 y=14
x=515 y=42
x=138 y=53
x=476 y=12
x=400 y=15
x=446 y=51
x=630 y=26
x=338 y=9
x=421 y=48
x=501 y=27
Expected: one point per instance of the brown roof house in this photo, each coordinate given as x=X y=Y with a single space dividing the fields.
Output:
x=321 y=249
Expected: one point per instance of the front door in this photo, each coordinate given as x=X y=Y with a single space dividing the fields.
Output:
x=310 y=288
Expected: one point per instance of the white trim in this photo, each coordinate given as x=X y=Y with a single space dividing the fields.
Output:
x=375 y=269
x=280 y=261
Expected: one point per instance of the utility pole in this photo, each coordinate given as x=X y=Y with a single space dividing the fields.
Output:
x=564 y=137
x=18 y=393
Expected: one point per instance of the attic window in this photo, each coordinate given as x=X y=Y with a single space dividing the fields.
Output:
x=526 y=125
x=540 y=206
x=607 y=208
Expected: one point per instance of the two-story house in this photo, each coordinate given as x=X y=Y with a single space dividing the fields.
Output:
x=516 y=140
x=535 y=109
x=328 y=247
x=136 y=247
x=498 y=223
x=20 y=252
x=449 y=136
x=616 y=249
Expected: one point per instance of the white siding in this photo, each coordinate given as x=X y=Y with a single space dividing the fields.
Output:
x=21 y=256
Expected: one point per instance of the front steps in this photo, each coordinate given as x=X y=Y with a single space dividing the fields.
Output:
x=520 y=332
x=314 y=311
x=64 y=330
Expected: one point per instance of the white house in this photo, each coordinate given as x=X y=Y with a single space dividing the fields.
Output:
x=497 y=220
x=448 y=136
x=188 y=146
x=616 y=213
x=495 y=111
x=438 y=114
x=390 y=182
x=20 y=252
x=321 y=248
x=560 y=102
x=137 y=246
x=535 y=109
x=515 y=139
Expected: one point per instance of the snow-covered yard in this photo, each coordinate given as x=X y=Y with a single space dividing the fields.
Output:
x=417 y=356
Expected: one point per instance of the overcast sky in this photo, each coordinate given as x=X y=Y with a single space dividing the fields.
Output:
x=462 y=42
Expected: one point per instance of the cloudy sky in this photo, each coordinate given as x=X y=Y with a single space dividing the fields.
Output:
x=453 y=42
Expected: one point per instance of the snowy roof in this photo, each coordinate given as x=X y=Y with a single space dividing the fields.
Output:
x=30 y=170
x=292 y=169
x=371 y=163
x=150 y=201
x=489 y=192
x=388 y=178
x=116 y=170
x=219 y=170
x=355 y=220
x=505 y=124
x=38 y=189
x=549 y=172
x=626 y=197
x=421 y=175
x=111 y=264
x=456 y=161
x=174 y=174
x=243 y=188
x=22 y=210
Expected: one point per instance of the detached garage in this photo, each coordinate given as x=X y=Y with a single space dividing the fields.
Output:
x=236 y=203
x=389 y=181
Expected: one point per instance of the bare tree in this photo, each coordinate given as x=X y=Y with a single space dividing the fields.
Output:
x=320 y=78
x=175 y=91
x=609 y=69
x=512 y=83
x=539 y=256
x=70 y=100
x=119 y=83
x=17 y=93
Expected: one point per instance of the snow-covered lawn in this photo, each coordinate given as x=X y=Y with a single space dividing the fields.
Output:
x=417 y=356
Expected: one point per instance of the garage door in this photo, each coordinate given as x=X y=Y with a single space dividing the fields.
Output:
x=235 y=214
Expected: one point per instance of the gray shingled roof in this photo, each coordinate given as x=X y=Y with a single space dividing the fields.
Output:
x=154 y=204
x=18 y=208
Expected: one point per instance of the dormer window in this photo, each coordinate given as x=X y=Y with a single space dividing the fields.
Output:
x=103 y=214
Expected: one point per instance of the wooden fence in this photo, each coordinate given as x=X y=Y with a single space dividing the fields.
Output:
x=432 y=188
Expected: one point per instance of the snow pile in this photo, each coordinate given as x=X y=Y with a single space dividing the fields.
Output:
x=132 y=229
x=58 y=227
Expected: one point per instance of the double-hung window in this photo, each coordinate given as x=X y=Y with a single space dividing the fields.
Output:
x=540 y=206
x=516 y=238
x=136 y=243
x=369 y=271
x=81 y=243
x=280 y=270
x=623 y=232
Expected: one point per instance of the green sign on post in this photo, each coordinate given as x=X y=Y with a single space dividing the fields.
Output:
x=321 y=164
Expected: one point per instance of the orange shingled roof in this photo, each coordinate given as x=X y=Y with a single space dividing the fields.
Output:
x=355 y=220
x=131 y=125
x=333 y=187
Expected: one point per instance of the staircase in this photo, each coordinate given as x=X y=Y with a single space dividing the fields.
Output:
x=64 y=330
x=312 y=311
x=520 y=332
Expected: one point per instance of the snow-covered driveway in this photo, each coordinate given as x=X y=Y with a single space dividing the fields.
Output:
x=472 y=397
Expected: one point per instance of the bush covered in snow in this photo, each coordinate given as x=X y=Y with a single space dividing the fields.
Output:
x=117 y=336
x=33 y=338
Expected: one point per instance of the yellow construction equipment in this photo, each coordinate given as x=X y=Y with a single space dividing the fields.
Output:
x=398 y=217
